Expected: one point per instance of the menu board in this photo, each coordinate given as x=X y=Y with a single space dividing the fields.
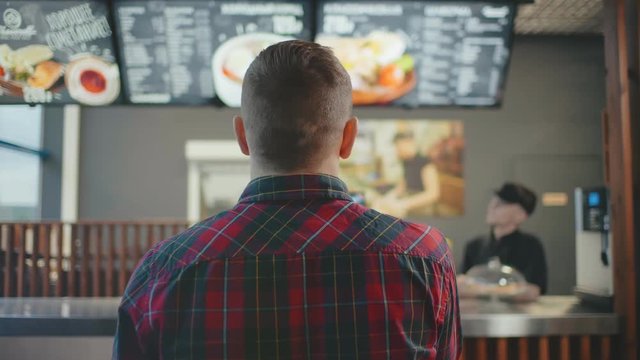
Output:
x=57 y=52
x=192 y=52
x=416 y=53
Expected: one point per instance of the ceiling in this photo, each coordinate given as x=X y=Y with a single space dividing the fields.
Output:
x=560 y=17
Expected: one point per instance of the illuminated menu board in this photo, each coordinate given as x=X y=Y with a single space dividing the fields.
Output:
x=57 y=52
x=197 y=52
x=418 y=53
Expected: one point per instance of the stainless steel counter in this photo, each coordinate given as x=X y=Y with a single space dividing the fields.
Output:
x=58 y=316
x=551 y=315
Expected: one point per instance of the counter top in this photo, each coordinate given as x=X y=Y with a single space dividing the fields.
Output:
x=58 y=316
x=550 y=315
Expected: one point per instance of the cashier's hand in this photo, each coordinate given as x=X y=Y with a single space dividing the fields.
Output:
x=529 y=294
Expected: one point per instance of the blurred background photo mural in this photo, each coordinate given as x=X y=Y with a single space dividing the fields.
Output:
x=408 y=168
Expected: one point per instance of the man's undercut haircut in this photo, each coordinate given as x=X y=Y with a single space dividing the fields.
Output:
x=296 y=98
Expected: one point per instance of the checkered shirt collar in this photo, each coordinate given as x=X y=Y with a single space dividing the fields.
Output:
x=295 y=187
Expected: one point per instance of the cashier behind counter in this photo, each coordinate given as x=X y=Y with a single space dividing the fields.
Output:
x=509 y=208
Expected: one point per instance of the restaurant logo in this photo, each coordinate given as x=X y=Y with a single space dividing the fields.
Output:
x=12 y=18
x=11 y=30
x=75 y=26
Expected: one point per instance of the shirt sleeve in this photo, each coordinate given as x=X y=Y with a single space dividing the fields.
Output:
x=126 y=344
x=449 y=343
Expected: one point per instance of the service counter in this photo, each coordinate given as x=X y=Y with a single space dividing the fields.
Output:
x=554 y=327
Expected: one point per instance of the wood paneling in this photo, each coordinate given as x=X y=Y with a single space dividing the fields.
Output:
x=623 y=160
x=79 y=259
x=540 y=348
x=45 y=240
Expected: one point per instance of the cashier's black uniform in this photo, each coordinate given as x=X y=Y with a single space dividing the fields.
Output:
x=520 y=250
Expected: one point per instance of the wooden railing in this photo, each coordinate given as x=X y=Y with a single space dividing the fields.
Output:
x=75 y=259
x=541 y=348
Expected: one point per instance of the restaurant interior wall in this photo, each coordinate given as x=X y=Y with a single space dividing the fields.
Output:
x=133 y=165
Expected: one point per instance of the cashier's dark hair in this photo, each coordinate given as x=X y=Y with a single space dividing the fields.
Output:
x=296 y=98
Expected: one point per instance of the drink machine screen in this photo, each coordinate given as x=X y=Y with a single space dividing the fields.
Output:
x=595 y=210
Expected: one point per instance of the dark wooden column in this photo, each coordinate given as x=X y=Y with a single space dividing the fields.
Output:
x=622 y=151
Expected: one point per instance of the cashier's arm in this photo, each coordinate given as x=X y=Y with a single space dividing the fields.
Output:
x=430 y=195
x=531 y=293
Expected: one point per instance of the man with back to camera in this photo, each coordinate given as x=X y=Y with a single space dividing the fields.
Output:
x=296 y=269
x=512 y=204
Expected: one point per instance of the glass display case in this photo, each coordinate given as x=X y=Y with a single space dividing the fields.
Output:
x=492 y=280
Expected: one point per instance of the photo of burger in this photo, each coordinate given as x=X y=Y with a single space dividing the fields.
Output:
x=381 y=70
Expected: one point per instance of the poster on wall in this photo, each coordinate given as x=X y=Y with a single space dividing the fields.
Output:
x=417 y=53
x=408 y=168
x=192 y=52
x=57 y=52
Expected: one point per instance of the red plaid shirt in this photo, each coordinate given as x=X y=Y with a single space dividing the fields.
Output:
x=295 y=270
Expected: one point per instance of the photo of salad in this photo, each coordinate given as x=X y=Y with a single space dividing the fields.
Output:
x=381 y=70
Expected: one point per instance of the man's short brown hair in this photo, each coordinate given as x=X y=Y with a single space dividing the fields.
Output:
x=296 y=98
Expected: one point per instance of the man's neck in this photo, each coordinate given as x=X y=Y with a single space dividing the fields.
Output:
x=329 y=167
x=500 y=231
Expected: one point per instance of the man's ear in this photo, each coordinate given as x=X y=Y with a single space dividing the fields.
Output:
x=241 y=135
x=349 y=134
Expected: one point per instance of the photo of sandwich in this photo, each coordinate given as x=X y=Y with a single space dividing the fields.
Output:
x=381 y=70
x=89 y=80
x=31 y=66
x=45 y=75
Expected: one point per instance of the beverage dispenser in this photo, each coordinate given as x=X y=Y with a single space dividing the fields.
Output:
x=594 y=262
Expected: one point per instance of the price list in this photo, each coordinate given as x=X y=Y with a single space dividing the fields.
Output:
x=452 y=53
x=170 y=49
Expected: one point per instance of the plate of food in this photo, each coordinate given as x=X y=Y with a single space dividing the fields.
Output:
x=89 y=80
x=29 y=66
x=232 y=59
x=492 y=281
x=92 y=80
x=380 y=68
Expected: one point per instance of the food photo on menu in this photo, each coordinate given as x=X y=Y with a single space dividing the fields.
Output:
x=244 y=30
x=378 y=45
x=231 y=61
x=197 y=52
x=380 y=68
x=57 y=52
x=420 y=53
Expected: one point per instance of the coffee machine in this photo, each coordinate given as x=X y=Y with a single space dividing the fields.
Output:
x=594 y=261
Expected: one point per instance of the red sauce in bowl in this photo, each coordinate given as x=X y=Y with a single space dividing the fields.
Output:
x=93 y=81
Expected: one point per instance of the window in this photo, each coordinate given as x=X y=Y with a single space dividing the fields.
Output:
x=20 y=172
